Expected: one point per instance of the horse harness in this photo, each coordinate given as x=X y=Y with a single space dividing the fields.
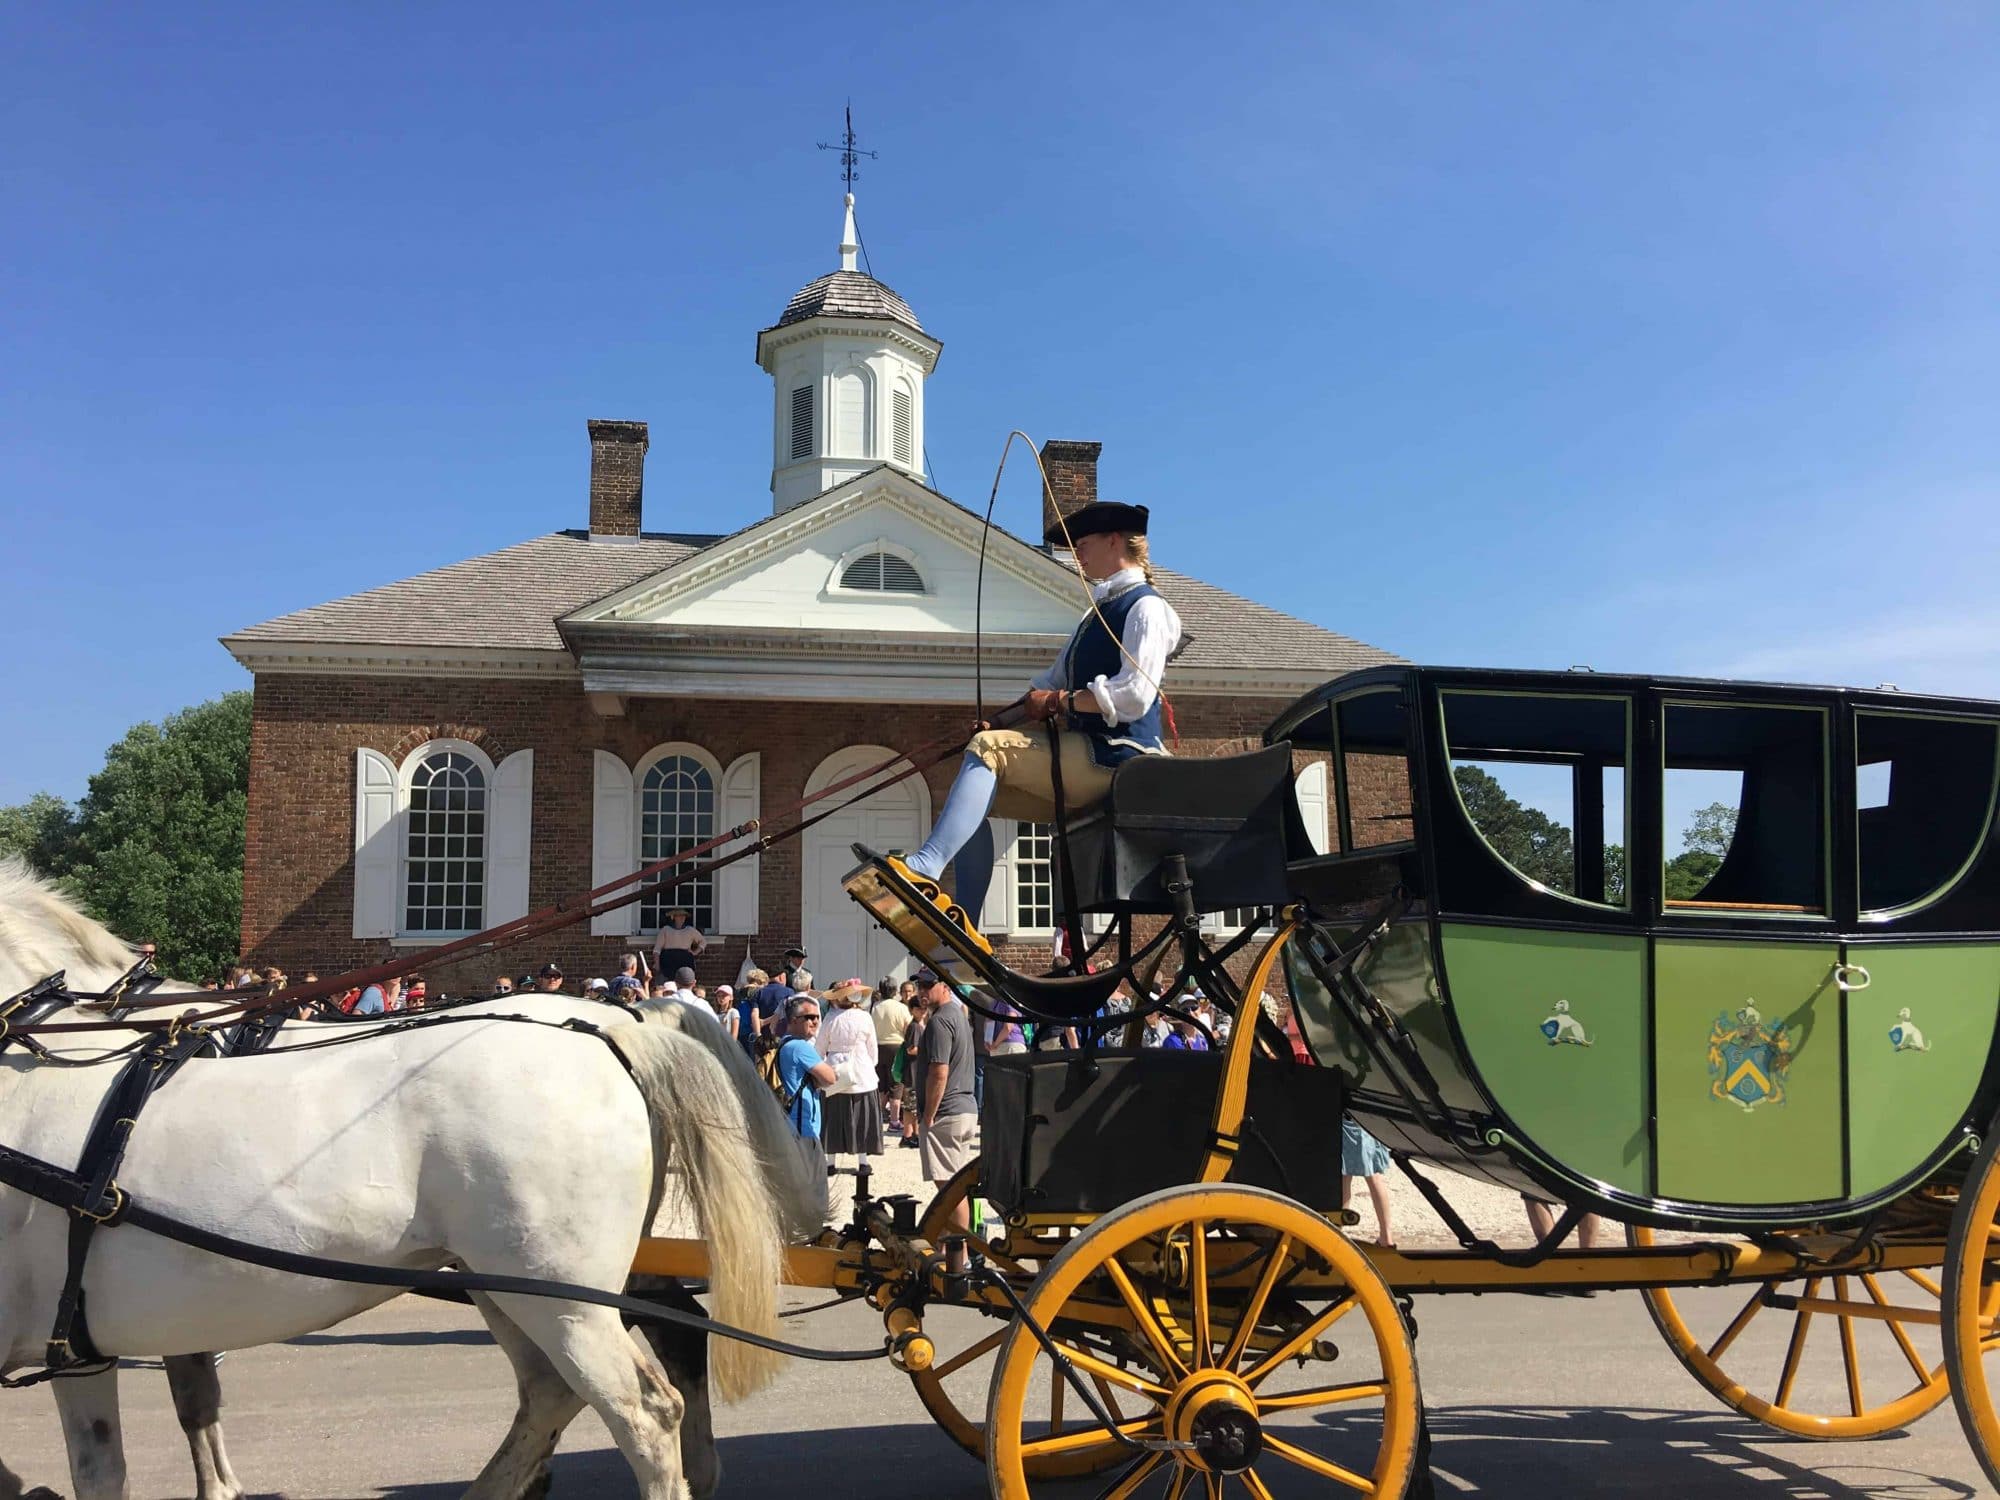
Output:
x=90 y=1194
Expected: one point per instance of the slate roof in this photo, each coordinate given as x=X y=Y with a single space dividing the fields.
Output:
x=847 y=294
x=511 y=599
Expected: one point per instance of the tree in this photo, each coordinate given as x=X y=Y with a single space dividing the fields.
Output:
x=157 y=850
x=41 y=832
x=1526 y=837
x=1704 y=842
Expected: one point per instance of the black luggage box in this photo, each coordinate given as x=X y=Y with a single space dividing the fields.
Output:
x=1056 y=1139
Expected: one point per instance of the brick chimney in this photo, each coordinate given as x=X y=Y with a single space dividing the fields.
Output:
x=617 y=476
x=1072 y=471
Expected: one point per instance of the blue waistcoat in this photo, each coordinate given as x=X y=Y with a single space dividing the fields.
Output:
x=1093 y=652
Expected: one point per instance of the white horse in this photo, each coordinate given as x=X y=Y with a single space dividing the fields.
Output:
x=385 y=1151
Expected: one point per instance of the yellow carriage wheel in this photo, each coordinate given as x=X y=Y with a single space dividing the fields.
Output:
x=967 y=1340
x=1972 y=1307
x=1820 y=1373
x=1238 y=1337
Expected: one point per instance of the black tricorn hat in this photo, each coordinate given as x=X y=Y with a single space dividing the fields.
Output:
x=1099 y=515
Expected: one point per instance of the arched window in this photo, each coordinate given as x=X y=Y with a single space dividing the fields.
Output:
x=444 y=858
x=882 y=572
x=676 y=812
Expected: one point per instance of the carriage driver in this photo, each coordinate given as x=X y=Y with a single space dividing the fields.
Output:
x=1105 y=684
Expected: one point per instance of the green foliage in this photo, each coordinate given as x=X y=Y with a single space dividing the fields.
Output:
x=157 y=846
x=1526 y=837
x=1704 y=842
x=1614 y=874
x=41 y=832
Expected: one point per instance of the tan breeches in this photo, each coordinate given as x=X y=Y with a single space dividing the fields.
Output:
x=1022 y=762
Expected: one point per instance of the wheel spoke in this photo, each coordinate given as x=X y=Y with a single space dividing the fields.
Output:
x=1057 y=1386
x=1737 y=1324
x=1854 y=1402
x=1109 y=1398
x=1801 y=1324
x=1142 y=1315
x=1183 y=1477
x=1325 y=1395
x=1085 y=1437
x=1246 y=1322
x=1136 y=1474
x=1211 y=1485
x=971 y=1352
x=1925 y=1282
x=1104 y=1370
x=1319 y=1325
x=1198 y=1274
x=1902 y=1339
x=1325 y=1468
x=1257 y=1488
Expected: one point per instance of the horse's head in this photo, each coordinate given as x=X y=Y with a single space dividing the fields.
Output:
x=42 y=930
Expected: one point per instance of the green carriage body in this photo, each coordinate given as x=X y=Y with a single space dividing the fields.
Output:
x=1797 y=1029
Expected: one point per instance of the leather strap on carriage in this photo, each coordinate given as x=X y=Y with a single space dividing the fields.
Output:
x=101 y=1200
x=1072 y=920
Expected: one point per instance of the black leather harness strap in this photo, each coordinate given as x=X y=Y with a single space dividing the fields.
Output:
x=102 y=1201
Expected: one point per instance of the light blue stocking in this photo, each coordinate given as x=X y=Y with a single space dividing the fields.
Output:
x=961 y=834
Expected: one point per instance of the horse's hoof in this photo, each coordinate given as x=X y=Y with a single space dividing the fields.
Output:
x=538 y=1487
x=41 y=1492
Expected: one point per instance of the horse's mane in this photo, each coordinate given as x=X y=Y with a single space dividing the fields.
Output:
x=42 y=930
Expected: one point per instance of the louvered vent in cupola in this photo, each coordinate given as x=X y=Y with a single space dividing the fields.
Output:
x=900 y=409
x=802 y=421
x=882 y=573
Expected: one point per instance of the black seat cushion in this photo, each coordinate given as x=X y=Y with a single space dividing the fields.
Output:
x=1227 y=816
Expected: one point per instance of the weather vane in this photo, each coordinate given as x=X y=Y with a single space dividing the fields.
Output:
x=849 y=152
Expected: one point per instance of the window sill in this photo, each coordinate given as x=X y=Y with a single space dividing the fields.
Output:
x=428 y=939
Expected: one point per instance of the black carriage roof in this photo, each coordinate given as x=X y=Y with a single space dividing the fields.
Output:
x=1584 y=680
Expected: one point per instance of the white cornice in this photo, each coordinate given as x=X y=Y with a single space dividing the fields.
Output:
x=832 y=325
x=335 y=659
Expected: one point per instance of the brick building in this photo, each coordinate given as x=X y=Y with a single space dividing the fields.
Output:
x=449 y=751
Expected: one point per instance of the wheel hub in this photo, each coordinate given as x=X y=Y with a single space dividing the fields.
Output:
x=1216 y=1414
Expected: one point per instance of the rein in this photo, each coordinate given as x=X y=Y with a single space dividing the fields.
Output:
x=611 y=896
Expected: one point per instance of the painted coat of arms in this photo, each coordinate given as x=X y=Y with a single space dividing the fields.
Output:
x=1905 y=1036
x=1747 y=1058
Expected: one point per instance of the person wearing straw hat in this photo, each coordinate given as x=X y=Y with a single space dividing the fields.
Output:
x=679 y=943
x=1105 y=685
x=851 y=1119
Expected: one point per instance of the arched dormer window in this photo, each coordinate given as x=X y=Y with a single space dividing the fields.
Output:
x=880 y=568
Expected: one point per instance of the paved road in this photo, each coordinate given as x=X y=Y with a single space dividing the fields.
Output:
x=1531 y=1398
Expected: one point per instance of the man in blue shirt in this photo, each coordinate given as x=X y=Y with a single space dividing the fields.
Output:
x=379 y=998
x=800 y=1067
x=768 y=998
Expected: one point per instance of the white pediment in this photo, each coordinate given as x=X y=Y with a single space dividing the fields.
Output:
x=786 y=573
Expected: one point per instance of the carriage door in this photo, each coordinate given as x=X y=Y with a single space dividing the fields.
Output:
x=1920 y=1015
x=1746 y=1009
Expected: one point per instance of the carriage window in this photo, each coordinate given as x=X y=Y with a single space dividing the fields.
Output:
x=1374 y=791
x=1926 y=790
x=1543 y=778
x=1744 y=799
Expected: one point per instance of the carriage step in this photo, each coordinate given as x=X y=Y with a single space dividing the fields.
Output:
x=919 y=915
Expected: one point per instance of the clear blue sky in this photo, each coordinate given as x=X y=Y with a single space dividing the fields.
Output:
x=1649 y=337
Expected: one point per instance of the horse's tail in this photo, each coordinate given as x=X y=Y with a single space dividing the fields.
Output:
x=797 y=1174
x=699 y=1126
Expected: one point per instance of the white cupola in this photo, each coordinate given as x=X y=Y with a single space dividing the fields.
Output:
x=847 y=361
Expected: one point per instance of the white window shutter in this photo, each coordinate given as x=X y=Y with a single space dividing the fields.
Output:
x=377 y=857
x=508 y=828
x=736 y=886
x=1310 y=786
x=613 y=837
x=996 y=914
